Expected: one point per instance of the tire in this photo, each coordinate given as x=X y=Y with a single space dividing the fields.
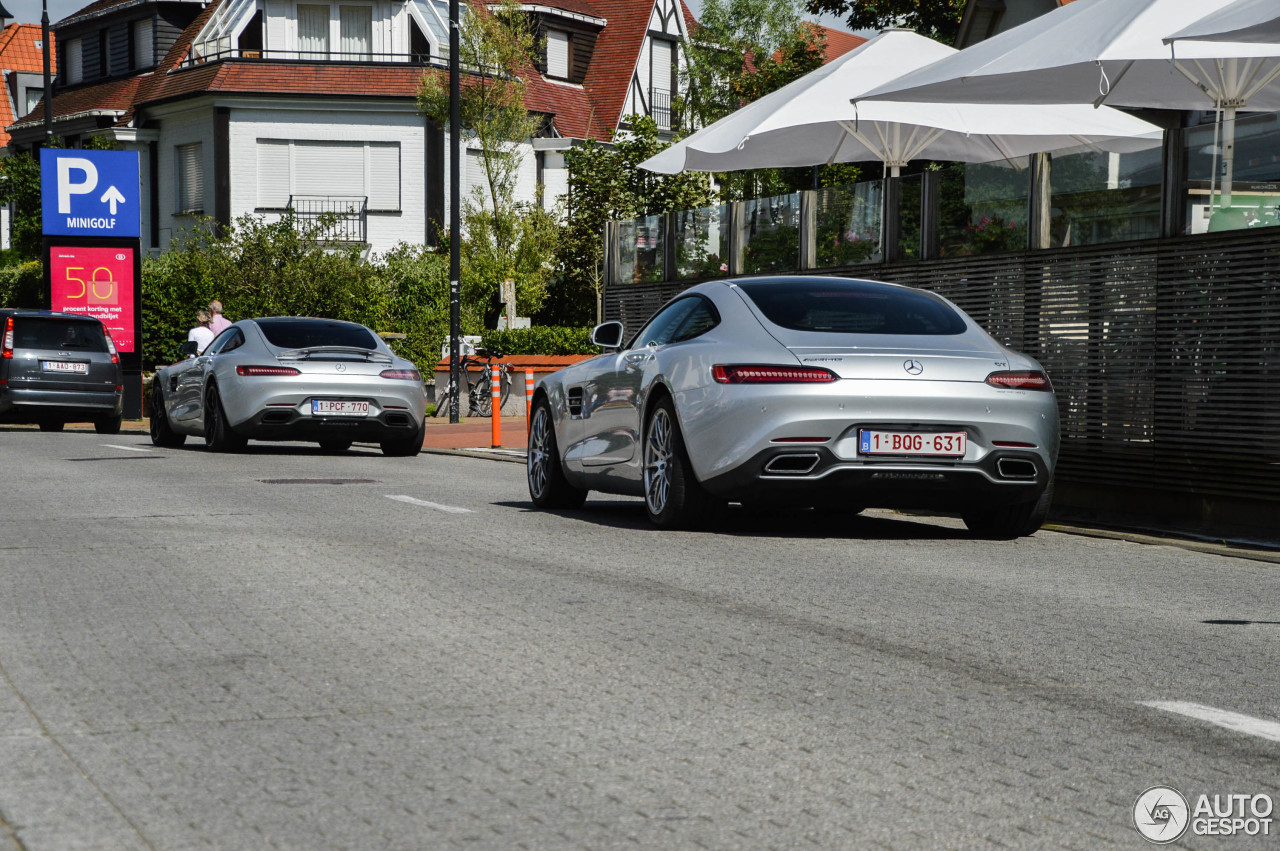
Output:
x=108 y=425
x=673 y=497
x=219 y=436
x=51 y=426
x=482 y=394
x=336 y=444
x=1013 y=521
x=162 y=433
x=548 y=487
x=406 y=447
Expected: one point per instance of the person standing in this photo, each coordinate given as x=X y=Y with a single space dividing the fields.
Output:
x=219 y=323
x=202 y=335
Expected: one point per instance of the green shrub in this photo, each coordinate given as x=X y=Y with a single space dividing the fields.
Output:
x=284 y=268
x=541 y=341
x=22 y=285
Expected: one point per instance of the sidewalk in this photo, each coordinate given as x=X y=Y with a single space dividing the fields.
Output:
x=470 y=433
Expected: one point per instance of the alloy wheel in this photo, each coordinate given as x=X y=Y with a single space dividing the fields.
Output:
x=657 y=462
x=539 y=452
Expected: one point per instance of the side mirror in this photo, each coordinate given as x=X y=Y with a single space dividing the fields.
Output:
x=607 y=336
x=189 y=348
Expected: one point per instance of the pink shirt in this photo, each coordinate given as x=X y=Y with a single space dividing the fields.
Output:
x=219 y=324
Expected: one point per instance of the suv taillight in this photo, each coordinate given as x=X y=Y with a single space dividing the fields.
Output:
x=111 y=345
x=758 y=374
x=1020 y=380
x=6 y=348
x=267 y=370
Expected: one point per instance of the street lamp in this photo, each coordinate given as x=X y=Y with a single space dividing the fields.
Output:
x=48 y=77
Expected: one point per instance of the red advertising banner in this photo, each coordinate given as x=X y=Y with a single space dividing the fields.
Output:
x=96 y=282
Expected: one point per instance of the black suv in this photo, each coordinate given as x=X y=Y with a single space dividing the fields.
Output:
x=57 y=368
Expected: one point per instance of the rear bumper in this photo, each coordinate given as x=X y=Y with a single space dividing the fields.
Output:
x=800 y=475
x=289 y=424
x=18 y=405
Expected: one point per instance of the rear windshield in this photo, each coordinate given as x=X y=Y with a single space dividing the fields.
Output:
x=852 y=307
x=305 y=333
x=47 y=332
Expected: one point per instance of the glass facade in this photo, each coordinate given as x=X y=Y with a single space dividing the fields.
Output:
x=847 y=223
x=702 y=242
x=771 y=234
x=1255 y=175
x=983 y=208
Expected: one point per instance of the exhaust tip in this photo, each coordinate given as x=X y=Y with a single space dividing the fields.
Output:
x=794 y=464
x=1016 y=468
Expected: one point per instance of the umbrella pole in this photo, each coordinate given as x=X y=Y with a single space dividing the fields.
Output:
x=1228 y=153
x=1213 y=170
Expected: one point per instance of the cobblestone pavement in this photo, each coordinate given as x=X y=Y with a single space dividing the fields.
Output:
x=264 y=651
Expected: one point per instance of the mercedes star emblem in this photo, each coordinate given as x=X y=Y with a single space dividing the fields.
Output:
x=340 y=367
x=913 y=367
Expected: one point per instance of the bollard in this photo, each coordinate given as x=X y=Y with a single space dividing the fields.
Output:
x=528 y=399
x=496 y=389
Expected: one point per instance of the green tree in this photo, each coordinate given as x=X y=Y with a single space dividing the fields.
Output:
x=937 y=19
x=505 y=239
x=606 y=183
x=741 y=51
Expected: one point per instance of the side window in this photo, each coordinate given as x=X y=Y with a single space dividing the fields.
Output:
x=227 y=341
x=662 y=328
x=699 y=321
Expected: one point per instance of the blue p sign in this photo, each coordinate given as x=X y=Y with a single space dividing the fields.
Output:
x=89 y=193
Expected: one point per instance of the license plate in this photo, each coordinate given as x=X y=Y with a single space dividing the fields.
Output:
x=948 y=444
x=341 y=409
x=66 y=366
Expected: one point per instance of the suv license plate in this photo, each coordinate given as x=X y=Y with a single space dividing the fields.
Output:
x=341 y=409
x=65 y=366
x=948 y=444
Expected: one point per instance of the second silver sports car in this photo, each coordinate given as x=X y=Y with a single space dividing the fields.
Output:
x=291 y=378
x=826 y=392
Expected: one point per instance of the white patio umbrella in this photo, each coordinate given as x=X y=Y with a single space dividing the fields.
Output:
x=812 y=122
x=1106 y=52
x=1245 y=20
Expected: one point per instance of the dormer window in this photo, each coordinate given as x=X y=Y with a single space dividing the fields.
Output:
x=558 y=54
x=350 y=27
x=144 y=51
x=72 y=56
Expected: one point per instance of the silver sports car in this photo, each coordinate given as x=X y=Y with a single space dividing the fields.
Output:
x=826 y=392
x=291 y=378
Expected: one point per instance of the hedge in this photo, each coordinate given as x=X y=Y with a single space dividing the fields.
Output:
x=541 y=341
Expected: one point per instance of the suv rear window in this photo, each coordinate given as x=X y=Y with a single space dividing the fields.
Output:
x=305 y=333
x=852 y=307
x=48 y=332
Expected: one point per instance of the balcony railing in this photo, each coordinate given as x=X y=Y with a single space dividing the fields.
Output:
x=201 y=54
x=660 y=110
x=347 y=215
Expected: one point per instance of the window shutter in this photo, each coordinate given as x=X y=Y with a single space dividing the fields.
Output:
x=75 y=66
x=662 y=66
x=313 y=31
x=557 y=54
x=384 y=176
x=273 y=173
x=190 y=178
x=328 y=168
x=357 y=31
x=144 y=51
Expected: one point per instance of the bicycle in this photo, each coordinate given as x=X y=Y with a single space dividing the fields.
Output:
x=479 y=393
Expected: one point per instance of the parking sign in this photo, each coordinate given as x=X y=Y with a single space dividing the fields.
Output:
x=90 y=193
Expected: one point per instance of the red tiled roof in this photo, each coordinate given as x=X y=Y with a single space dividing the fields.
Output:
x=19 y=52
x=838 y=42
x=114 y=96
x=614 y=60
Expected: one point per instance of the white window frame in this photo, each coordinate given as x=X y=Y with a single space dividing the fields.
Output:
x=355 y=56
x=376 y=197
x=559 y=54
x=327 y=51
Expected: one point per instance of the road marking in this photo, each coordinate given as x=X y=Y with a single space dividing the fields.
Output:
x=447 y=509
x=127 y=448
x=1231 y=720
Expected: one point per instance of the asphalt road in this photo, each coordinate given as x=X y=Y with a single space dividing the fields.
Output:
x=287 y=649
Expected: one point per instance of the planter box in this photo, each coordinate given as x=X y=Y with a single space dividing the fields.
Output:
x=517 y=365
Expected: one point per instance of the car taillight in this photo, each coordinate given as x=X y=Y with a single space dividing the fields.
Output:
x=751 y=374
x=267 y=370
x=6 y=349
x=405 y=374
x=1024 y=380
x=111 y=346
